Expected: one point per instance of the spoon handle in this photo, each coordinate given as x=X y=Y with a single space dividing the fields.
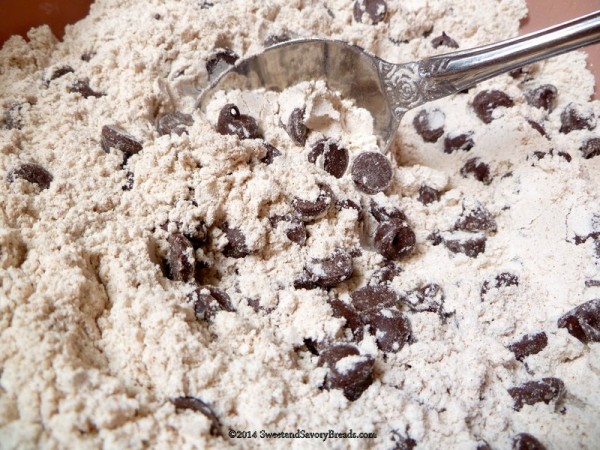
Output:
x=447 y=74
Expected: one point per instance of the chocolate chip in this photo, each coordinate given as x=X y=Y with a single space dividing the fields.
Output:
x=461 y=141
x=525 y=441
x=428 y=298
x=311 y=346
x=335 y=157
x=385 y=274
x=476 y=168
x=208 y=300
x=197 y=235
x=428 y=195
x=331 y=271
x=116 y=137
x=87 y=56
x=573 y=118
x=470 y=246
x=402 y=442
x=435 y=237
x=59 y=72
x=296 y=128
x=197 y=405
x=240 y=125
x=532 y=392
x=583 y=321
x=503 y=279
x=175 y=122
x=236 y=243
x=590 y=148
x=430 y=124
x=373 y=298
x=375 y=9
x=220 y=61
x=537 y=127
x=542 y=97
x=272 y=153
x=347 y=312
x=565 y=156
x=82 y=87
x=483 y=445
x=128 y=181
x=384 y=213
x=275 y=39
x=13 y=116
x=34 y=173
x=181 y=258
x=294 y=228
x=372 y=172
x=476 y=219
x=308 y=210
x=486 y=102
x=390 y=327
x=444 y=40
x=350 y=204
x=348 y=370
x=394 y=239
x=529 y=344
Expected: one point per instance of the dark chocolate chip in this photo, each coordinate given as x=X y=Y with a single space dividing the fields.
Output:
x=375 y=9
x=87 y=56
x=542 y=97
x=525 y=441
x=503 y=279
x=197 y=235
x=385 y=274
x=128 y=181
x=529 y=344
x=391 y=329
x=572 y=118
x=355 y=374
x=308 y=210
x=394 y=239
x=565 y=156
x=294 y=228
x=444 y=40
x=590 y=148
x=428 y=195
x=208 y=300
x=59 y=72
x=430 y=124
x=220 y=61
x=296 y=128
x=428 y=298
x=471 y=246
x=270 y=155
x=240 y=125
x=197 y=405
x=335 y=157
x=372 y=172
x=462 y=141
x=347 y=312
x=476 y=219
x=583 y=321
x=175 y=122
x=483 y=445
x=402 y=442
x=311 y=346
x=181 y=258
x=537 y=127
x=236 y=243
x=435 y=237
x=34 y=173
x=13 y=116
x=331 y=271
x=532 y=392
x=476 y=168
x=486 y=102
x=373 y=298
x=82 y=87
x=276 y=39
x=384 y=213
x=116 y=137
x=350 y=204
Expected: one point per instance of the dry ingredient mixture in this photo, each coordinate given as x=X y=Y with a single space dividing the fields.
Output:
x=167 y=276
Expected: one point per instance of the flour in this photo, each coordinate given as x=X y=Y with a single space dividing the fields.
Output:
x=99 y=341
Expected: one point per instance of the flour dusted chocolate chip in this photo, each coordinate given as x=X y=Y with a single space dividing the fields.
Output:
x=394 y=239
x=374 y=297
x=429 y=124
x=376 y=10
x=174 y=123
x=197 y=405
x=272 y=153
x=503 y=279
x=372 y=172
x=331 y=271
x=476 y=219
x=537 y=127
x=583 y=321
x=83 y=88
x=59 y=72
x=486 y=102
x=384 y=213
x=483 y=445
x=129 y=180
x=335 y=157
x=428 y=195
x=445 y=40
x=471 y=245
x=34 y=173
x=525 y=441
x=294 y=228
x=532 y=392
x=181 y=258
x=350 y=204
x=427 y=298
x=402 y=442
x=348 y=370
x=13 y=116
x=115 y=137
x=385 y=274
x=590 y=148
x=390 y=327
x=308 y=210
x=241 y=125
x=208 y=300
x=458 y=141
x=220 y=61
x=542 y=97
x=296 y=128
x=236 y=243
x=574 y=117
x=477 y=169
x=346 y=311
x=529 y=344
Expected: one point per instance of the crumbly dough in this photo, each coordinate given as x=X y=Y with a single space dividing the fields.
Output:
x=96 y=342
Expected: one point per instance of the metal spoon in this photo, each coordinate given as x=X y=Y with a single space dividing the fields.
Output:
x=388 y=90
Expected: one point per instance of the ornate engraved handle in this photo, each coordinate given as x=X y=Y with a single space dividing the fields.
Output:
x=410 y=85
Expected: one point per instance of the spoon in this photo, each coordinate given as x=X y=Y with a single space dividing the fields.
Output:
x=388 y=90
